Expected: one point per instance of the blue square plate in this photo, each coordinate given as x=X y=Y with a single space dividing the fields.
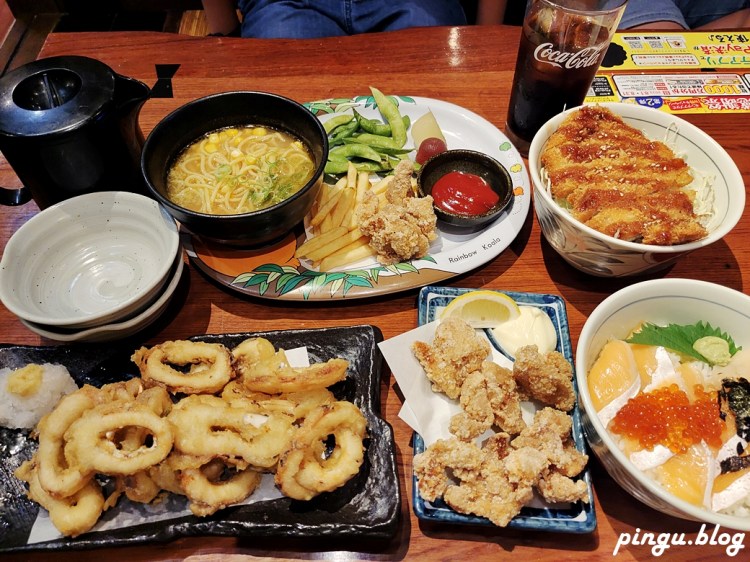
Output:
x=567 y=518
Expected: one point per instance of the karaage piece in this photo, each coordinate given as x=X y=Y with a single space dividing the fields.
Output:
x=442 y=459
x=402 y=228
x=488 y=397
x=547 y=378
x=476 y=416
x=494 y=481
x=557 y=488
x=550 y=433
x=455 y=352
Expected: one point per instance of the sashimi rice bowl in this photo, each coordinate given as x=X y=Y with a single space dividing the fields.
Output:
x=663 y=371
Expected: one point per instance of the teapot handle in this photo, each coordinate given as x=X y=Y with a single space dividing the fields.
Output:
x=14 y=197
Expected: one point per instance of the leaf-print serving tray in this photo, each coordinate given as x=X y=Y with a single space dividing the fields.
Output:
x=274 y=273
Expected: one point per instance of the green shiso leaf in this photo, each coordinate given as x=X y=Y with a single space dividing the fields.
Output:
x=680 y=338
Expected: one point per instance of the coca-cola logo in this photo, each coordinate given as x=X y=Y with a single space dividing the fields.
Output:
x=580 y=59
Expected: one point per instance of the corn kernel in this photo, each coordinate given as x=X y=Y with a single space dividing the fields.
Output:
x=211 y=147
x=213 y=137
x=259 y=131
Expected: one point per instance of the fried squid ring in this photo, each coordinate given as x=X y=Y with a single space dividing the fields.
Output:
x=58 y=477
x=72 y=515
x=207 y=425
x=274 y=375
x=91 y=442
x=253 y=350
x=304 y=471
x=297 y=404
x=210 y=366
x=215 y=485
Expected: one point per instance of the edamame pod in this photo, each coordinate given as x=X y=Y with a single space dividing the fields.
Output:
x=354 y=150
x=341 y=132
x=375 y=127
x=390 y=112
x=337 y=121
x=336 y=167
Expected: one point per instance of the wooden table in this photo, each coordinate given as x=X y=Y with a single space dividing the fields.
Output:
x=471 y=67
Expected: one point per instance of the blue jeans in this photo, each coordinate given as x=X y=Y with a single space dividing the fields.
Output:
x=688 y=13
x=304 y=19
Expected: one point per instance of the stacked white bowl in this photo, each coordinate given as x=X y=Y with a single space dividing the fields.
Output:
x=95 y=267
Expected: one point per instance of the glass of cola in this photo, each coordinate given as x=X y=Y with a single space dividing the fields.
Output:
x=562 y=44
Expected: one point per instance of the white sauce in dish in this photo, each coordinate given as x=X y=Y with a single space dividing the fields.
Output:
x=532 y=327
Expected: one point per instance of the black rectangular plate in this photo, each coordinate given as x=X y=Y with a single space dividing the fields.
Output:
x=367 y=506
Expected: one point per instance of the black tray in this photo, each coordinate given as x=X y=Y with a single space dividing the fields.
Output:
x=367 y=506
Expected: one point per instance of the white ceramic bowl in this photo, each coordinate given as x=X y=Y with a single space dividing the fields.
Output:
x=660 y=301
x=89 y=260
x=605 y=256
x=121 y=329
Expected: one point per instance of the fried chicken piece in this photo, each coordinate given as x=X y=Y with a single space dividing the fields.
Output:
x=547 y=378
x=504 y=485
x=499 y=479
x=477 y=415
x=550 y=434
x=557 y=488
x=455 y=352
x=493 y=497
x=488 y=397
x=435 y=465
x=401 y=187
x=403 y=228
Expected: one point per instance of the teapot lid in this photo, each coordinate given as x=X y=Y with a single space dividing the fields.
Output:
x=54 y=95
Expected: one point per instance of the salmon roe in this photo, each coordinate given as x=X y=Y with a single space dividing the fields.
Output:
x=666 y=417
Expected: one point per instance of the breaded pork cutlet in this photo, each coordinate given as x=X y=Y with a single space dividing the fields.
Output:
x=613 y=178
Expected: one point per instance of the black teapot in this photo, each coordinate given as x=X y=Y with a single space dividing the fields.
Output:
x=68 y=126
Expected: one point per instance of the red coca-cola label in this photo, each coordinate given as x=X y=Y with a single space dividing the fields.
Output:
x=589 y=56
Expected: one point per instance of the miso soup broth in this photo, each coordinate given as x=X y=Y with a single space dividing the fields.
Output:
x=239 y=170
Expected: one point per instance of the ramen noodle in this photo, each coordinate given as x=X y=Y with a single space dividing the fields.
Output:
x=239 y=170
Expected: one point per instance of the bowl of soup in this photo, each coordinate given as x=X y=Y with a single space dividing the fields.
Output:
x=662 y=397
x=241 y=168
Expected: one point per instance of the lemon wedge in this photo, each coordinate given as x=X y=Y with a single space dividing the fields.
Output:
x=482 y=309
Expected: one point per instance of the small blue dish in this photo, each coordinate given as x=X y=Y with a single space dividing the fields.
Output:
x=563 y=518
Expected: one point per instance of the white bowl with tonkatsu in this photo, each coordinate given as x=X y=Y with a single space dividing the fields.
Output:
x=621 y=189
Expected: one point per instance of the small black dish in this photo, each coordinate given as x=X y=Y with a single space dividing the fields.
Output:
x=203 y=115
x=472 y=162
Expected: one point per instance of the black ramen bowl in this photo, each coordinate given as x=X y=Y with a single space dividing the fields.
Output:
x=235 y=109
x=470 y=162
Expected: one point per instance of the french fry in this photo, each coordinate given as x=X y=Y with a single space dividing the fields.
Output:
x=351 y=176
x=327 y=189
x=326 y=208
x=326 y=225
x=319 y=241
x=329 y=248
x=363 y=182
x=353 y=252
x=344 y=205
x=350 y=220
